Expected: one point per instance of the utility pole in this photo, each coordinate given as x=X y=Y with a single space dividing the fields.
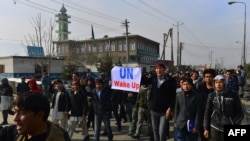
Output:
x=211 y=58
x=181 y=47
x=172 y=47
x=165 y=38
x=127 y=53
x=178 y=44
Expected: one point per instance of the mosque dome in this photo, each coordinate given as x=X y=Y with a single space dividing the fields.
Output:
x=63 y=9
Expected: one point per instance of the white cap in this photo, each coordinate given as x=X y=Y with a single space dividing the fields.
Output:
x=219 y=77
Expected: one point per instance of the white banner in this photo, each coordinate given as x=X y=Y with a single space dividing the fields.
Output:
x=126 y=78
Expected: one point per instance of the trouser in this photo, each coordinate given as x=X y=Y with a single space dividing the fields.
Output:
x=201 y=136
x=184 y=135
x=62 y=122
x=84 y=127
x=241 y=91
x=116 y=115
x=142 y=115
x=72 y=125
x=159 y=124
x=132 y=125
x=5 y=114
x=129 y=110
x=216 y=135
x=105 y=117
x=123 y=113
x=91 y=118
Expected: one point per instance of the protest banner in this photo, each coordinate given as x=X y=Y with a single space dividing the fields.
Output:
x=126 y=78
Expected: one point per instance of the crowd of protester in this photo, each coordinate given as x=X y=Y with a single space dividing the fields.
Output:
x=199 y=102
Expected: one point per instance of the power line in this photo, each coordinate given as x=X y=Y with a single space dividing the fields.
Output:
x=144 y=11
x=174 y=19
x=89 y=11
x=53 y=11
x=207 y=47
x=155 y=9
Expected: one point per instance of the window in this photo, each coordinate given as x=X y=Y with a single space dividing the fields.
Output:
x=77 y=50
x=94 y=49
x=2 y=69
x=124 y=46
x=58 y=48
x=100 y=48
x=107 y=47
x=120 y=46
x=113 y=46
x=65 y=49
x=89 y=48
x=83 y=49
x=132 y=45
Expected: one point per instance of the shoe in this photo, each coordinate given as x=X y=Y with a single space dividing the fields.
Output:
x=4 y=123
x=119 y=127
x=104 y=134
x=11 y=112
x=136 y=137
x=130 y=134
x=86 y=138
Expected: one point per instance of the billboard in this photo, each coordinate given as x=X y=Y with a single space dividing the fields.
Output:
x=35 y=51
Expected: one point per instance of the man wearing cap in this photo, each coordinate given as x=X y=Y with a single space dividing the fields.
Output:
x=161 y=101
x=223 y=108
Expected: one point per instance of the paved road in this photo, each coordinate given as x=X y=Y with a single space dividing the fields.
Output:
x=122 y=135
x=118 y=135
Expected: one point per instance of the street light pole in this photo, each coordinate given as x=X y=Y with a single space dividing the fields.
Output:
x=244 y=39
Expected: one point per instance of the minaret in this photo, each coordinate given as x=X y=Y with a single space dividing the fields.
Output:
x=63 y=24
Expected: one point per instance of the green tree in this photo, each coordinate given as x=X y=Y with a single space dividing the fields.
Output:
x=67 y=71
x=106 y=65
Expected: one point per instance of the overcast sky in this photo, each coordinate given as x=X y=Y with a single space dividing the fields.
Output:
x=208 y=28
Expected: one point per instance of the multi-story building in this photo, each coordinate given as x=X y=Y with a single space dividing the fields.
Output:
x=140 y=51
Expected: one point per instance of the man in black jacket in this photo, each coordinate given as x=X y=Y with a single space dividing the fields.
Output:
x=162 y=99
x=60 y=104
x=101 y=99
x=22 y=87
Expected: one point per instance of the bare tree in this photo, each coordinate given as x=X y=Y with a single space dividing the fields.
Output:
x=42 y=38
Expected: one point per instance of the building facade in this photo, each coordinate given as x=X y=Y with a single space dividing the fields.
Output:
x=141 y=51
x=88 y=54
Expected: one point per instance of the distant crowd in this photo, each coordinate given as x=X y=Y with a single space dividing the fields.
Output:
x=200 y=103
